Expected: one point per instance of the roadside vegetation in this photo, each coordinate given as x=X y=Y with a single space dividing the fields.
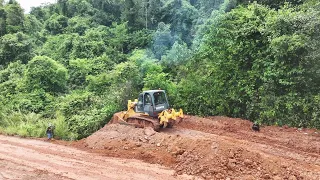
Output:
x=77 y=62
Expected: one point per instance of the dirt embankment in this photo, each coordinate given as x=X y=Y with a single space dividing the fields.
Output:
x=197 y=148
x=216 y=148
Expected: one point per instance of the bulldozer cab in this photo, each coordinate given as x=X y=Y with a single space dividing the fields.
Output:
x=152 y=102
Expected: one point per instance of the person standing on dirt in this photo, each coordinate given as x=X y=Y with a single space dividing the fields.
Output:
x=50 y=131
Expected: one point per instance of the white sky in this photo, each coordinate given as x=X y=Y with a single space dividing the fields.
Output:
x=27 y=4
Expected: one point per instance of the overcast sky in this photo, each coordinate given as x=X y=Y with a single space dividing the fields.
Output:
x=27 y=4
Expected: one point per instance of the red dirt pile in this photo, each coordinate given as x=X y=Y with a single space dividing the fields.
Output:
x=216 y=148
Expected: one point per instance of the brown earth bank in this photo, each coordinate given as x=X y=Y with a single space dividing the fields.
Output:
x=216 y=148
x=207 y=148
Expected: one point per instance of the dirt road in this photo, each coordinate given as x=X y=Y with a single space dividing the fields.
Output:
x=36 y=159
x=207 y=148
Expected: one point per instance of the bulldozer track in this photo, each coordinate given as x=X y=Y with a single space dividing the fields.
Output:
x=142 y=122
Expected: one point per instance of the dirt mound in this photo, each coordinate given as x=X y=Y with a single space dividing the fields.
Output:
x=216 y=148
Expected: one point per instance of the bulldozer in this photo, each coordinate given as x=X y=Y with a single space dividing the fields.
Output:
x=151 y=109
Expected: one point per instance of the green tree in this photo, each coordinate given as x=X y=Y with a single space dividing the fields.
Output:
x=154 y=13
x=59 y=47
x=78 y=8
x=14 y=47
x=88 y=47
x=14 y=17
x=11 y=79
x=118 y=36
x=41 y=13
x=62 y=4
x=162 y=40
x=178 y=55
x=56 y=24
x=129 y=13
x=79 y=24
x=47 y=74
x=32 y=25
x=273 y=3
x=2 y=20
x=180 y=15
x=256 y=63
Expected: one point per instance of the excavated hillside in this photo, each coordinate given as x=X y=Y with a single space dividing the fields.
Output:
x=215 y=148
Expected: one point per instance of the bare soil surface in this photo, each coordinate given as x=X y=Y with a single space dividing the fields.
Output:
x=196 y=148
x=33 y=159
x=216 y=148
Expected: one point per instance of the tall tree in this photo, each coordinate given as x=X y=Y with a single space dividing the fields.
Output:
x=63 y=7
x=2 y=20
x=180 y=15
x=273 y=3
x=56 y=24
x=129 y=13
x=47 y=74
x=14 y=17
x=14 y=47
x=155 y=14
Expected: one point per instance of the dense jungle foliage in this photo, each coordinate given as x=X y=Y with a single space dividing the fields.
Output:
x=76 y=62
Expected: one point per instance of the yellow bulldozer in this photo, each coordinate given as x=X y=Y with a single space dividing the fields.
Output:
x=151 y=109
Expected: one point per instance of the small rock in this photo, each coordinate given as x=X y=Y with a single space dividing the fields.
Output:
x=231 y=165
x=138 y=144
x=231 y=154
x=249 y=177
x=292 y=177
x=277 y=178
x=228 y=178
x=247 y=162
x=149 y=131
x=232 y=160
x=266 y=176
x=203 y=175
x=125 y=148
x=158 y=144
x=219 y=176
x=178 y=152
